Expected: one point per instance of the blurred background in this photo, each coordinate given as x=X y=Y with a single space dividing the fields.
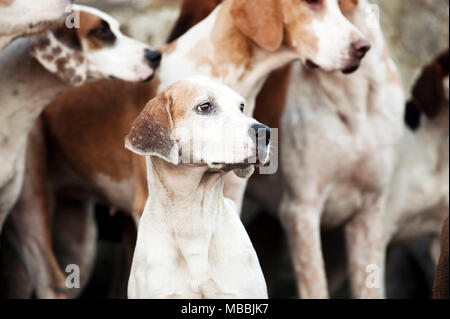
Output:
x=415 y=30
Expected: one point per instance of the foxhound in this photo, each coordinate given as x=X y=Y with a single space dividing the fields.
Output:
x=340 y=135
x=191 y=242
x=22 y=17
x=35 y=70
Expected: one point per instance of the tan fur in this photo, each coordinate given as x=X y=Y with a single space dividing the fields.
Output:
x=308 y=41
x=6 y=3
x=89 y=22
x=260 y=20
x=347 y=5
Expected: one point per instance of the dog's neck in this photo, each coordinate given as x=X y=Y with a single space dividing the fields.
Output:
x=189 y=201
x=217 y=49
x=183 y=189
x=26 y=89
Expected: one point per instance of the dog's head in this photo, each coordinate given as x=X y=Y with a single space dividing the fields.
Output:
x=200 y=122
x=431 y=91
x=24 y=17
x=316 y=29
x=89 y=45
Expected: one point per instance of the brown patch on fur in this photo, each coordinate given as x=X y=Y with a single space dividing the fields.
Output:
x=260 y=20
x=428 y=92
x=441 y=281
x=89 y=22
x=231 y=47
x=298 y=19
x=87 y=125
x=61 y=65
x=48 y=57
x=42 y=44
x=6 y=3
x=271 y=100
x=192 y=12
x=56 y=51
x=347 y=5
x=150 y=133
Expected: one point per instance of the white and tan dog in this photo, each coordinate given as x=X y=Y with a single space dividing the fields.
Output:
x=339 y=150
x=23 y=17
x=191 y=242
x=35 y=70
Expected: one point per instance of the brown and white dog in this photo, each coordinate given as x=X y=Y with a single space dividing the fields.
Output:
x=191 y=242
x=60 y=58
x=35 y=70
x=22 y=17
x=338 y=153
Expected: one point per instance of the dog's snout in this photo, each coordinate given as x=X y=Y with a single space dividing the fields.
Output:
x=262 y=133
x=153 y=57
x=360 y=48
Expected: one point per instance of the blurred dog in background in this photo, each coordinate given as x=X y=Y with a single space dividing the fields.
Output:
x=34 y=71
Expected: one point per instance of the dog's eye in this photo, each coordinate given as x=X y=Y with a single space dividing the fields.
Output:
x=205 y=108
x=242 y=107
x=103 y=33
x=313 y=3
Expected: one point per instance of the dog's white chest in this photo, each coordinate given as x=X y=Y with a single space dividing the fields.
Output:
x=228 y=268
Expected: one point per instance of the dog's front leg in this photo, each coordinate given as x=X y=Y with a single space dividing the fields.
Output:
x=302 y=224
x=366 y=249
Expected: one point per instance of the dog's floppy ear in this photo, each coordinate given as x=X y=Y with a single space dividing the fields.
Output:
x=347 y=5
x=260 y=20
x=428 y=92
x=151 y=133
x=60 y=52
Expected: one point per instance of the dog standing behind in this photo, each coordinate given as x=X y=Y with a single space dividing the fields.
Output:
x=34 y=71
x=23 y=17
x=419 y=194
x=338 y=152
x=191 y=242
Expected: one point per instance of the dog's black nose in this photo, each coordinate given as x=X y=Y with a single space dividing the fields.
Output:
x=262 y=133
x=360 y=48
x=153 y=57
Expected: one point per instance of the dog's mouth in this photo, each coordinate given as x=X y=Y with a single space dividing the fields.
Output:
x=311 y=65
x=354 y=66
x=148 y=79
